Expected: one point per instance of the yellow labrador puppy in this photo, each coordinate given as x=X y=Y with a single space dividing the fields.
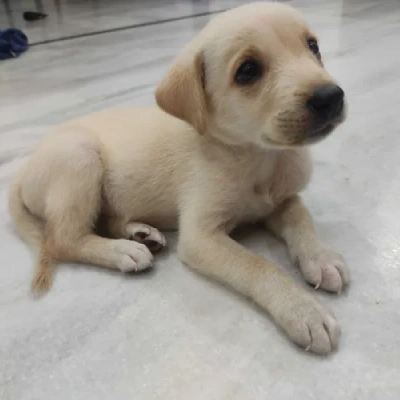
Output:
x=227 y=145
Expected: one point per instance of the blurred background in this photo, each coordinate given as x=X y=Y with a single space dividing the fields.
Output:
x=70 y=18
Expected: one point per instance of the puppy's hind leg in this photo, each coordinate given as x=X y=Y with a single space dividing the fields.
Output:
x=73 y=202
x=151 y=237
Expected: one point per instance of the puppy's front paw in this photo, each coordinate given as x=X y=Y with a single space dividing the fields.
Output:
x=310 y=325
x=146 y=234
x=132 y=256
x=324 y=269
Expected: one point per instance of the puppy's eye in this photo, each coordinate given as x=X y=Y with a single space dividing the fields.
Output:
x=313 y=46
x=248 y=72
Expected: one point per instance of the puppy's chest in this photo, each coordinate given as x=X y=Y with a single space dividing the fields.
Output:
x=256 y=203
x=262 y=194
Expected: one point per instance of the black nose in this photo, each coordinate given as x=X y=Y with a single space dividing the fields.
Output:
x=327 y=101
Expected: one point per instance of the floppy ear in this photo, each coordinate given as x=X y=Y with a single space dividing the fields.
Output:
x=182 y=92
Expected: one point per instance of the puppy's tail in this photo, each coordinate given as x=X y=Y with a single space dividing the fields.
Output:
x=31 y=230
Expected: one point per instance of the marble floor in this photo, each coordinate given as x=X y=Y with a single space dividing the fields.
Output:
x=75 y=18
x=171 y=334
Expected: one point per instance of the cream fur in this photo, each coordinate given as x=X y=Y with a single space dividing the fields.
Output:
x=212 y=156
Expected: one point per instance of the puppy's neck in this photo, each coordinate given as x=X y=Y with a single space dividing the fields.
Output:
x=248 y=160
x=213 y=144
x=257 y=165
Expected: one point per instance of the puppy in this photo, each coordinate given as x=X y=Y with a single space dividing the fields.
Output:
x=227 y=145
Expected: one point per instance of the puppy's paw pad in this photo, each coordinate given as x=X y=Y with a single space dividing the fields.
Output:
x=149 y=236
x=312 y=327
x=132 y=256
x=325 y=269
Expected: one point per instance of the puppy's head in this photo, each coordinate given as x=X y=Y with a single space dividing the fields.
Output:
x=254 y=75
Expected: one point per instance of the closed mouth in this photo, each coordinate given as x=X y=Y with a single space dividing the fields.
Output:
x=321 y=132
x=313 y=136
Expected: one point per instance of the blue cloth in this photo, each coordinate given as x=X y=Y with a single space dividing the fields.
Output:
x=13 y=42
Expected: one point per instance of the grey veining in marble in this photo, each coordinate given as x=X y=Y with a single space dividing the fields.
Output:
x=171 y=334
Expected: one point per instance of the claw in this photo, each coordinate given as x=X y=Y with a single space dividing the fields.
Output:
x=309 y=346
x=341 y=275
